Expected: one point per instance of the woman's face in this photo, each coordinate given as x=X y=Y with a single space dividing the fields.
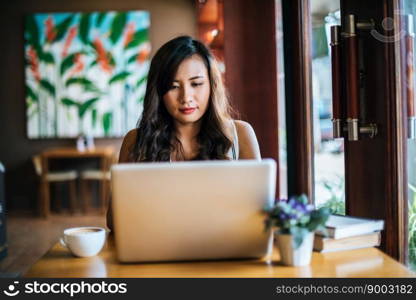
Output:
x=188 y=97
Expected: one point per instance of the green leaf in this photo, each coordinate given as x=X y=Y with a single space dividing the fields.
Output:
x=92 y=88
x=107 y=122
x=118 y=77
x=83 y=108
x=69 y=102
x=298 y=235
x=31 y=94
x=47 y=57
x=48 y=86
x=117 y=27
x=318 y=218
x=39 y=50
x=132 y=59
x=93 y=63
x=84 y=27
x=111 y=60
x=67 y=63
x=140 y=36
x=100 y=19
x=87 y=84
x=141 y=81
x=78 y=80
x=141 y=99
x=32 y=30
x=92 y=46
x=303 y=199
x=94 y=118
x=62 y=28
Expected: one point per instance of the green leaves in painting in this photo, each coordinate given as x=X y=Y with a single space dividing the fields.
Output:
x=62 y=28
x=69 y=102
x=32 y=30
x=87 y=84
x=46 y=57
x=139 y=37
x=60 y=50
x=94 y=117
x=111 y=59
x=107 y=122
x=84 y=28
x=117 y=27
x=31 y=94
x=93 y=63
x=100 y=19
x=67 y=63
x=92 y=88
x=118 y=77
x=132 y=58
x=78 y=80
x=45 y=84
x=82 y=107
x=141 y=81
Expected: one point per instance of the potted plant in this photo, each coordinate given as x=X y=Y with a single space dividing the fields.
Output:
x=296 y=221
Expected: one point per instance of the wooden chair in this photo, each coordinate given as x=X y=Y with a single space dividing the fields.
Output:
x=103 y=177
x=57 y=176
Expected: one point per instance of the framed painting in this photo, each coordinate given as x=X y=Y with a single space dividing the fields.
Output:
x=85 y=73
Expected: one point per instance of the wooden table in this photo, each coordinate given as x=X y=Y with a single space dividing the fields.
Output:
x=370 y=262
x=105 y=154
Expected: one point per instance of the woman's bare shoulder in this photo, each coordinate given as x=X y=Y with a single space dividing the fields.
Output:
x=247 y=140
x=242 y=125
x=128 y=145
x=131 y=136
x=244 y=129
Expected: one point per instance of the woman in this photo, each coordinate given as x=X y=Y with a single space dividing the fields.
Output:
x=186 y=114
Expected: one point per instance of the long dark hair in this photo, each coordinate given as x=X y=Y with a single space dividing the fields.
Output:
x=156 y=139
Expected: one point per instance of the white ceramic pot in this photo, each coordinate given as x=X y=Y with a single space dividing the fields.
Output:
x=294 y=257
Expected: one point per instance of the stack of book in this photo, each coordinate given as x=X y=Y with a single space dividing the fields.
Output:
x=347 y=233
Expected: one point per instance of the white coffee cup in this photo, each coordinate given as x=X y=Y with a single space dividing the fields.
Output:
x=84 y=241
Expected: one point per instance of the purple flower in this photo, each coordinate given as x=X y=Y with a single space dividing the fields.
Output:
x=310 y=207
x=283 y=216
x=293 y=216
x=300 y=207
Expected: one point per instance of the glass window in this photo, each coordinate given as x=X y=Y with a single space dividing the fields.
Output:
x=281 y=104
x=408 y=15
x=329 y=153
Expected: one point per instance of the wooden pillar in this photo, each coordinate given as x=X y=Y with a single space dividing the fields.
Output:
x=250 y=53
x=298 y=90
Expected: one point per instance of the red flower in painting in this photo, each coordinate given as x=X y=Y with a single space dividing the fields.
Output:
x=70 y=37
x=129 y=34
x=143 y=54
x=34 y=62
x=102 y=58
x=50 y=31
x=79 y=64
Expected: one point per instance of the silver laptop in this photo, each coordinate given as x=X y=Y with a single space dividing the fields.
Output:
x=191 y=210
